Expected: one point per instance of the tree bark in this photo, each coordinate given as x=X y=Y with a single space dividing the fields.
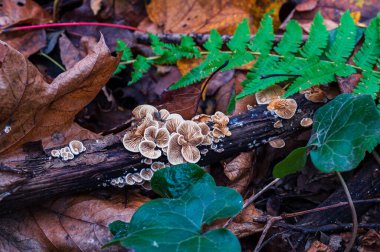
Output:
x=38 y=176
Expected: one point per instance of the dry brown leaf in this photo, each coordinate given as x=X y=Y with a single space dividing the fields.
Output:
x=70 y=55
x=38 y=110
x=318 y=246
x=196 y=16
x=23 y=12
x=96 y=5
x=370 y=242
x=77 y=223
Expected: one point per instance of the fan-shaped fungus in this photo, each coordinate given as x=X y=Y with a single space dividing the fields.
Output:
x=55 y=153
x=146 y=174
x=128 y=179
x=306 y=122
x=142 y=111
x=157 y=165
x=148 y=149
x=76 y=147
x=284 y=108
x=201 y=118
x=269 y=94
x=172 y=122
x=315 y=94
x=277 y=124
x=277 y=143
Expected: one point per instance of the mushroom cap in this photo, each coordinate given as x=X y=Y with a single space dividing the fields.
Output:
x=190 y=153
x=223 y=129
x=284 y=108
x=146 y=174
x=147 y=161
x=142 y=110
x=269 y=94
x=202 y=118
x=55 y=153
x=174 y=150
x=205 y=130
x=128 y=179
x=76 y=147
x=277 y=143
x=148 y=149
x=146 y=185
x=220 y=118
x=134 y=136
x=137 y=178
x=67 y=156
x=277 y=124
x=172 y=122
x=162 y=137
x=157 y=165
x=306 y=122
x=315 y=94
x=190 y=133
x=164 y=114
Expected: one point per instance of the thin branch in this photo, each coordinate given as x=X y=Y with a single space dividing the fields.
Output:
x=265 y=231
x=53 y=61
x=252 y=199
x=353 y=212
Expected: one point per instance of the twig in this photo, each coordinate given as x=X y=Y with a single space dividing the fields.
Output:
x=251 y=199
x=353 y=212
x=53 y=61
x=55 y=10
x=265 y=231
x=41 y=26
x=326 y=228
x=376 y=157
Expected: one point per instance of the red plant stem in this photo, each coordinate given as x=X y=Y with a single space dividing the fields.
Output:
x=41 y=26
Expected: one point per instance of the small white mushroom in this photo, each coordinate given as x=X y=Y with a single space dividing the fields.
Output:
x=128 y=179
x=147 y=161
x=306 y=122
x=76 y=147
x=157 y=165
x=137 y=178
x=146 y=185
x=277 y=143
x=284 y=108
x=146 y=174
x=269 y=94
x=55 y=153
x=277 y=124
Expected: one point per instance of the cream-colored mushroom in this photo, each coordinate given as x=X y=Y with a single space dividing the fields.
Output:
x=220 y=118
x=157 y=165
x=205 y=130
x=284 y=108
x=66 y=154
x=147 y=161
x=172 y=122
x=277 y=143
x=148 y=149
x=315 y=94
x=277 y=124
x=164 y=114
x=220 y=131
x=202 y=118
x=269 y=94
x=76 y=147
x=142 y=111
x=146 y=174
x=129 y=180
x=146 y=185
x=55 y=153
x=174 y=150
x=137 y=178
x=306 y=122
x=158 y=136
x=134 y=136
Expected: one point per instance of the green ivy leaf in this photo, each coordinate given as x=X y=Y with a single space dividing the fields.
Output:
x=344 y=129
x=293 y=163
x=170 y=183
x=176 y=224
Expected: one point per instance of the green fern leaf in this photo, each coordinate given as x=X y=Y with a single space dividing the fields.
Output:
x=241 y=37
x=320 y=73
x=263 y=40
x=121 y=46
x=345 y=40
x=140 y=66
x=318 y=37
x=214 y=42
x=366 y=57
x=369 y=84
x=291 y=40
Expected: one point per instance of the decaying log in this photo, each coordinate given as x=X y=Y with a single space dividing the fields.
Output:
x=39 y=177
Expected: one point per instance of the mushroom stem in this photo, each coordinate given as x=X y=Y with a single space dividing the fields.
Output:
x=353 y=213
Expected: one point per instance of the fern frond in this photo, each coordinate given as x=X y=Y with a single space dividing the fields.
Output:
x=140 y=66
x=345 y=41
x=121 y=46
x=366 y=57
x=214 y=42
x=241 y=37
x=369 y=84
x=263 y=40
x=318 y=37
x=291 y=39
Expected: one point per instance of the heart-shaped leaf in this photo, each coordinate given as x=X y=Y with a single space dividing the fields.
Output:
x=294 y=162
x=176 y=224
x=344 y=129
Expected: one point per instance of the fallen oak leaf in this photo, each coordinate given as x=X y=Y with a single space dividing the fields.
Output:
x=39 y=110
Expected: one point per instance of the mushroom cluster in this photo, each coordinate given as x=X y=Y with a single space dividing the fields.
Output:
x=158 y=133
x=74 y=148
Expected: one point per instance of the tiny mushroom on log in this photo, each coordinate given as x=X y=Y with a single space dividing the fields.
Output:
x=55 y=153
x=146 y=174
x=172 y=122
x=306 y=122
x=269 y=94
x=148 y=149
x=157 y=165
x=137 y=178
x=278 y=124
x=129 y=180
x=202 y=118
x=205 y=130
x=315 y=94
x=66 y=154
x=284 y=108
x=277 y=143
x=142 y=111
x=134 y=136
x=220 y=128
x=183 y=144
x=76 y=147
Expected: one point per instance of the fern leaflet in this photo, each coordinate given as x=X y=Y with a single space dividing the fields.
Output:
x=317 y=38
x=141 y=66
